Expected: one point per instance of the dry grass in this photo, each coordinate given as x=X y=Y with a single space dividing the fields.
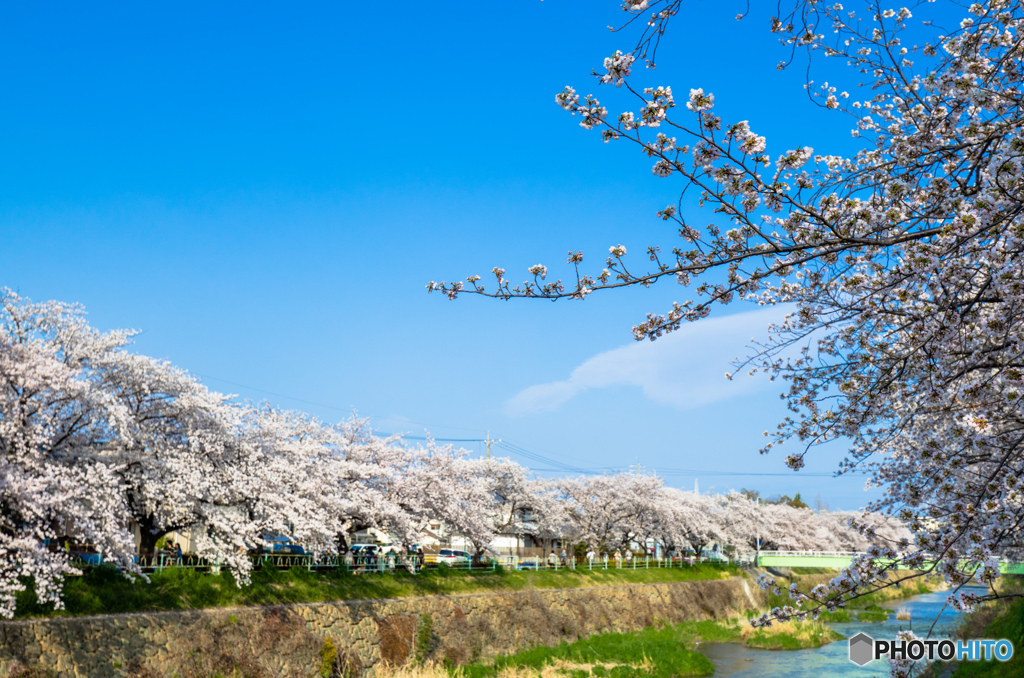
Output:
x=903 y=614
x=789 y=636
x=429 y=670
x=557 y=669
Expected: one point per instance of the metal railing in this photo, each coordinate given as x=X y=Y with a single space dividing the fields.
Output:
x=813 y=554
x=392 y=562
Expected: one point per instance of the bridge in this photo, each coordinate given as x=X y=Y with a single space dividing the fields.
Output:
x=838 y=559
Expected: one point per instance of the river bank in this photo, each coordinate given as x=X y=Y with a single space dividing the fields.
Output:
x=696 y=648
x=104 y=590
x=292 y=641
x=358 y=638
x=1001 y=619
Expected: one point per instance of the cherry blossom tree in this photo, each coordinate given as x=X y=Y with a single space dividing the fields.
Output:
x=53 y=425
x=179 y=454
x=519 y=504
x=308 y=489
x=95 y=439
x=401 y=486
x=445 y=484
x=903 y=259
x=608 y=511
x=692 y=520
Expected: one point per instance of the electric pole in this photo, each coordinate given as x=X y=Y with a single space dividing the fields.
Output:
x=488 y=441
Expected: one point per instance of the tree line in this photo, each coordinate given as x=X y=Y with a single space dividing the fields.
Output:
x=98 y=441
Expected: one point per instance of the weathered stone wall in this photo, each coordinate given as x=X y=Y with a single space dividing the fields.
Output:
x=292 y=640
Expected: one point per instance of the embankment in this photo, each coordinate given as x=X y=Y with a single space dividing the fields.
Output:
x=352 y=636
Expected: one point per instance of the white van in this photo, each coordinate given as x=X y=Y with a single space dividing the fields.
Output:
x=454 y=557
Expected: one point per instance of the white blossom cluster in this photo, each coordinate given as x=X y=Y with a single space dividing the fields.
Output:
x=903 y=260
x=96 y=441
x=614 y=511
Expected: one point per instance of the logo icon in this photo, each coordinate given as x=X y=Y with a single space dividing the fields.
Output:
x=862 y=649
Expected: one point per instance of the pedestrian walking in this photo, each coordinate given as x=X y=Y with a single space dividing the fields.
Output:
x=565 y=558
x=590 y=559
x=618 y=559
x=552 y=559
x=629 y=557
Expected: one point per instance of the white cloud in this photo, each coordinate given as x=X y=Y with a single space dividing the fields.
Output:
x=684 y=369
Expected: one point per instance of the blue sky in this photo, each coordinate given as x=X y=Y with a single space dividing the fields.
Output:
x=264 y=192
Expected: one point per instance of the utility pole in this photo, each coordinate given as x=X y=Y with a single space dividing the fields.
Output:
x=757 y=552
x=488 y=441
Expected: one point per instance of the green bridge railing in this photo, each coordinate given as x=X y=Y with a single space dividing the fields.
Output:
x=837 y=560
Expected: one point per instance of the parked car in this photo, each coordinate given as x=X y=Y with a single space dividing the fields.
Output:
x=453 y=557
x=283 y=545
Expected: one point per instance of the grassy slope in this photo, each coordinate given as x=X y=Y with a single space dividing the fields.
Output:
x=1008 y=623
x=668 y=651
x=661 y=652
x=105 y=591
x=865 y=608
x=1001 y=619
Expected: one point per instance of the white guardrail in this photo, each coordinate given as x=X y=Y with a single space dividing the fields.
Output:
x=812 y=554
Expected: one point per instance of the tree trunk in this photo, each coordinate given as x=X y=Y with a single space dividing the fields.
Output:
x=341 y=542
x=150 y=535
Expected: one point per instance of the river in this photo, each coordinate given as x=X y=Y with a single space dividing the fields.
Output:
x=832 y=660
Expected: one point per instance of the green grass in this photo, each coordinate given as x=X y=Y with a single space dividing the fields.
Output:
x=865 y=608
x=793 y=636
x=102 y=590
x=660 y=653
x=1009 y=624
x=996 y=620
x=873 y=613
x=787 y=636
x=712 y=630
x=912 y=587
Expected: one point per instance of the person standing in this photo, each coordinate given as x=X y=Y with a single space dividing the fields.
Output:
x=590 y=559
x=552 y=559
x=618 y=559
x=629 y=557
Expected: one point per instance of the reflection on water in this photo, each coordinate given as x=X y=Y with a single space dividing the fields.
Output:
x=737 y=661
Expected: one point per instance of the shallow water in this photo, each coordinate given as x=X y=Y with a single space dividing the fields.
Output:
x=738 y=661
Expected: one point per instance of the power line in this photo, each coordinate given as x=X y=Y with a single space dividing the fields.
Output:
x=441 y=440
x=523 y=452
x=351 y=409
x=560 y=467
x=279 y=395
x=684 y=472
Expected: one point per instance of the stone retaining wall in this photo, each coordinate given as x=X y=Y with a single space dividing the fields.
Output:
x=350 y=638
